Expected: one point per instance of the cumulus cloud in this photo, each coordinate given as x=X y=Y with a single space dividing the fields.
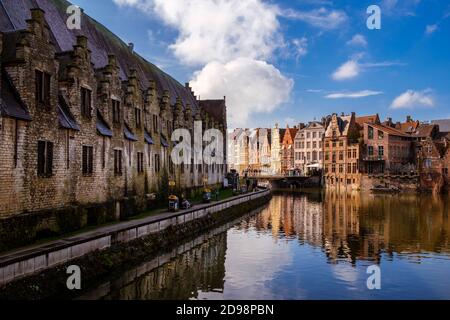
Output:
x=250 y=86
x=348 y=70
x=229 y=48
x=243 y=28
x=411 y=99
x=353 y=95
x=358 y=40
x=322 y=18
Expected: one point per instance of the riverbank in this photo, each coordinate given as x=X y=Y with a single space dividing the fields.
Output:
x=37 y=272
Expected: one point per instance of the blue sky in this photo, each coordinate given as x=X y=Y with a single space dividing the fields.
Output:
x=293 y=61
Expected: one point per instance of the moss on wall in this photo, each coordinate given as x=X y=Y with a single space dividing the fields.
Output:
x=98 y=265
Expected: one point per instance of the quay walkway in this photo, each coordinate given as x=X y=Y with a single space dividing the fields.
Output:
x=24 y=262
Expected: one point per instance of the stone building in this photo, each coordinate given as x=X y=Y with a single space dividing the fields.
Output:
x=342 y=149
x=287 y=150
x=86 y=123
x=277 y=135
x=259 y=151
x=308 y=147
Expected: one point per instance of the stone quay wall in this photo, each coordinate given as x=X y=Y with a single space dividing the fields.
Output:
x=27 y=262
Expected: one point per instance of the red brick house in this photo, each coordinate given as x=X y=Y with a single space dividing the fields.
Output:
x=386 y=150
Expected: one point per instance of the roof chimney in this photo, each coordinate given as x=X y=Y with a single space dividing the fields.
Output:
x=131 y=47
x=408 y=119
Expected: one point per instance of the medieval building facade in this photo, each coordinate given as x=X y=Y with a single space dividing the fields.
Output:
x=86 y=121
x=308 y=147
x=342 y=153
x=287 y=151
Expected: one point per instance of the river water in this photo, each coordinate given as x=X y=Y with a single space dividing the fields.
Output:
x=307 y=246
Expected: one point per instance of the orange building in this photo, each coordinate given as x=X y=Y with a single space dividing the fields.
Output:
x=287 y=150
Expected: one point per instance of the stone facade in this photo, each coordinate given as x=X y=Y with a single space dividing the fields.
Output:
x=259 y=151
x=342 y=153
x=81 y=130
x=238 y=144
x=275 y=152
x=309 y=148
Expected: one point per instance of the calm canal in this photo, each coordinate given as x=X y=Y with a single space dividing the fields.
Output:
x=308 y=246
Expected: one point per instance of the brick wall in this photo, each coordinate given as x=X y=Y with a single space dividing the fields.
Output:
x=23 y=191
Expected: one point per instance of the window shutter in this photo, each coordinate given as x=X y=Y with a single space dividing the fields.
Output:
x=49 y=158
x=89 y=104
x=41 y=158
x=120 y=161
x=84 y=160
x=91 y=160
x=38 y=84
x=47 y=89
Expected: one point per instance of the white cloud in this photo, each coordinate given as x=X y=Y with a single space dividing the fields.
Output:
x=301 y=47
x=431 y=29
x=229 y=40
x=348 y=70
x=358 y=40
x=382 y=64
x=314 y=90
x=352 y=68
x=217 y=30
x=411 y=99
x=400 y=7
x=353 y=95
x=250 y=86
x=322 y=18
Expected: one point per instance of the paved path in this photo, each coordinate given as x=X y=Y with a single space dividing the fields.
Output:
x=41 y=249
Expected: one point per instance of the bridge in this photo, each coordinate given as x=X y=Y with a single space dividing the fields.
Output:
x=286 y=181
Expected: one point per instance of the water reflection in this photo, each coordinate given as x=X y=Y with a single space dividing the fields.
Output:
x=307 y=246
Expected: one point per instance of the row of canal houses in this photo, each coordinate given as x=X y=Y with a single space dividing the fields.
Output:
x=350 y=152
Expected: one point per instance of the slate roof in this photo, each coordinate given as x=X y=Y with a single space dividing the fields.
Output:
x=344 y=124
x=128 y=134
x=164 y=141
x=444 y=124
x=65 y=117
x=11 y=105
x=101 y=42
x=103 y=127
x=148 y=137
